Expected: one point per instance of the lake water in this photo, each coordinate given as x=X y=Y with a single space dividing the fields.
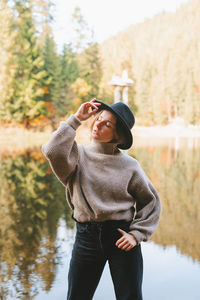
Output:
x=37 y=232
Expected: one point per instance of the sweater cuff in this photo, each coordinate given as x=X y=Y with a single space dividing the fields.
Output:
x=138 y=236
x=74 y=122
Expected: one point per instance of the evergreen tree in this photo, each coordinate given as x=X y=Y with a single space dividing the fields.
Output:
x=7 y=58
x=69 y=73
x=43 y=16
x=52 y=66
x=26 y=101
x=90 y=68
x=83 y=35
x=87 y=50
x=69 y=65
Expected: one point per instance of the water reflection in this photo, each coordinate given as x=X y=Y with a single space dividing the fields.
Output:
x=176 y=175
x=33 y=202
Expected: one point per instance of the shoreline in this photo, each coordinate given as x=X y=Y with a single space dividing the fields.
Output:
x=168 y=131
x=20 y=138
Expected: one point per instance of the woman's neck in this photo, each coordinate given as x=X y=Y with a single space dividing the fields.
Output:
x=104 y=148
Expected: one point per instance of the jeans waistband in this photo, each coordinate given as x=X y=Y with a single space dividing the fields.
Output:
x=104 y=223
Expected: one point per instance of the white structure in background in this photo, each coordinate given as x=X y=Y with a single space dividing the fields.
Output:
x=123 y=82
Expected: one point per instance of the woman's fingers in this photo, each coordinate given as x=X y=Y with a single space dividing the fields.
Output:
x=119 y=241
x=95 y=104
x=83 y=113
x=91 y=104
x=88 y=105
x=126 y=242
x=125 y=245
x=129 y=248
x=122 y=244
x=94 y=110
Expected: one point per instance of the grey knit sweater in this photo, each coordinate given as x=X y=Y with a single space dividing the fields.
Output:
x=101 y=182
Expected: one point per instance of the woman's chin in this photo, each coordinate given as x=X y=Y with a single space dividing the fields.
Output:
x=98 y=138
x=95 y=136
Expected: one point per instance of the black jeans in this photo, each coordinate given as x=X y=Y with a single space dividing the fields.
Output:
x=94 y=245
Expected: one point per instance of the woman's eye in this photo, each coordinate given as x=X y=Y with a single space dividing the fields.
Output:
x=108 y=125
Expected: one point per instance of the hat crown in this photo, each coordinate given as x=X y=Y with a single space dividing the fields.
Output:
x=122 y=110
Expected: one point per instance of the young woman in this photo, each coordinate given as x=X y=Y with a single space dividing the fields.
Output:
x=114 y=204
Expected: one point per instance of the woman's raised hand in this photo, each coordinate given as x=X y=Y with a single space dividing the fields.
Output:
x=84 y=113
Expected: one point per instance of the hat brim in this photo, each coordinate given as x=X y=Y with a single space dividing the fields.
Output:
x=128 y=135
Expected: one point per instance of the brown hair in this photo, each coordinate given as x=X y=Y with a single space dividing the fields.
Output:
x=118 y=128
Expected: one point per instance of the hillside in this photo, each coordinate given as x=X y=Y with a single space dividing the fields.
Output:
x=162 y=56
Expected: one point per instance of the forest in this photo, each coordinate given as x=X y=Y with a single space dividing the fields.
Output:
x=40 y=86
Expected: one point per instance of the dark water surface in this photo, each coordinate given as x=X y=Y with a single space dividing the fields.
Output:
x=37 y=232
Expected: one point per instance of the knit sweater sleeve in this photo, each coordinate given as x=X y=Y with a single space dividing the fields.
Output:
x=61 y=150
x=148 y=206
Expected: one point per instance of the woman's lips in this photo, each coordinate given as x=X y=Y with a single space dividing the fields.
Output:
x=95 y=132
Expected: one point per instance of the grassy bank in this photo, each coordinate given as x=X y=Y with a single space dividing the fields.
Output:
x=20 y=138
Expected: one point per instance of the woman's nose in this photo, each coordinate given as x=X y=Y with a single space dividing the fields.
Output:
x=98 y=124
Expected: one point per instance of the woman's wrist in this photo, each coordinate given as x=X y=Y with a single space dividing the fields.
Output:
x=77 y=115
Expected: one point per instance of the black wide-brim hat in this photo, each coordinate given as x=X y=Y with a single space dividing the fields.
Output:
x=125 y=118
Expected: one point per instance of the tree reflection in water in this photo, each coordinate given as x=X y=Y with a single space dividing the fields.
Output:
x=33 y=201
x=176 y=175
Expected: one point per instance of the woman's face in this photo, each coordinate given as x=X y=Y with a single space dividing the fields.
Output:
x=104 y=127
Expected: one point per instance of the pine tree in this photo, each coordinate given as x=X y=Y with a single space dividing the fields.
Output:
x=7 y=58
x=26 y=102
x=87 y=50
x=69 y=65
x=83 y=35
x=43 y=16
x=52 y=66
x=69 y=73
x=90 y=68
